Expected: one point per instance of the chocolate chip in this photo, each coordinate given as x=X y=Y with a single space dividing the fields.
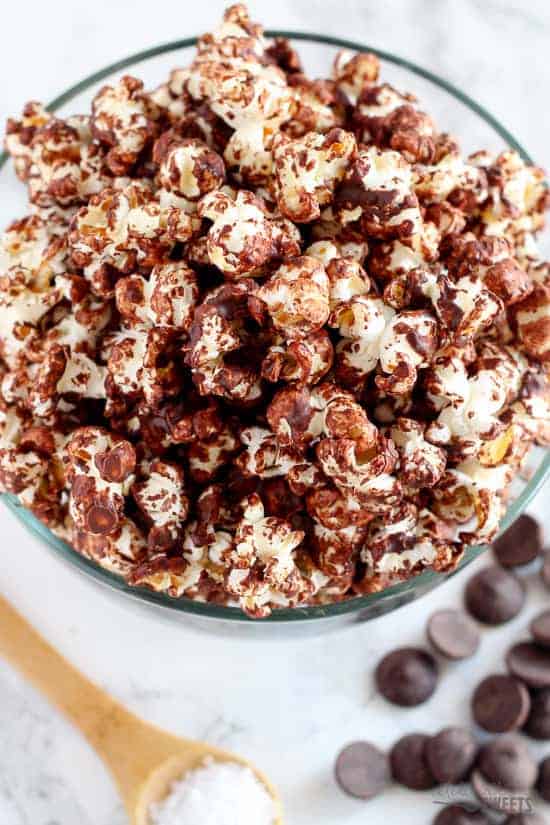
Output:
x=450 y=754
x=407 y=676
x=520 y=544
x=506 y=761
x=501 y=704
x=530 y=663
x=453 y=634
x=545 y=569
x=543 y=782
x=459 y=815
x=362 y=770
x=525 y=819
x=538 y=723
x=540 y=628
x=409 y=765
x=497 y=797
x=494 y=596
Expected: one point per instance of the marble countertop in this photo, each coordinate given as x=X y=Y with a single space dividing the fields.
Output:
x=287 y=705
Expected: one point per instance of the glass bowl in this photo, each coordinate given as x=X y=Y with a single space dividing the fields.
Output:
x=456 y=113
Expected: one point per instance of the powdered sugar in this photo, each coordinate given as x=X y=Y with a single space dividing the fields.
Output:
x=218 y=793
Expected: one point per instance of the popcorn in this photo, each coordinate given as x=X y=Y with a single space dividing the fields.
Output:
x=263 y=561
x=120 y=551
x=167 y=299
x=297 y=297
x=453 y=178
x=421 y=464
x=317 y=106
x=389 y=119
x=188 y=168
x=124 y=119
x=62 y=373
x=377 y=190
x=160 y=498
x=217 y=332
x=268 y=341
x=19 y=135
x=305 y=361
x=471 y=406
x=243 y=236
x=532 y=319
x=518 y=195
x=100 y=470
x=58 y=159
x=361 y=322
x=139 y=363
x=464 y=307
x=121 y=229
x=307 y=170
x=408 y=342
x=352 y=72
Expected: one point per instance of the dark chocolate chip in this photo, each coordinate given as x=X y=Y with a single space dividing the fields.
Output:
x=530 y=663
x=525 y=819
x=459 y=815
x=451 y=754
x=540 y=628
x=407 y=676
x=543 y=782
x=409 y=765
x=497 y=797
x=501 y=704
x=520 y=544
x=362 y=770
x=545 y=569
x=494 y=596
x=506 y=761
x=538 y=723
x=453 y=634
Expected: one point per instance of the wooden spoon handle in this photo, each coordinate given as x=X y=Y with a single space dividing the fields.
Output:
x=125 y=743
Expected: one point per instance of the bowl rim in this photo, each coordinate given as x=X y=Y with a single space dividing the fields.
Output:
x=210 y=610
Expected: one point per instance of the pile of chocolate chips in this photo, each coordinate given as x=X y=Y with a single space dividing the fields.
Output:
x=501 y=772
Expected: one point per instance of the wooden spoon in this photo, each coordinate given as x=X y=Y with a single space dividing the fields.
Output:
x=142 y=759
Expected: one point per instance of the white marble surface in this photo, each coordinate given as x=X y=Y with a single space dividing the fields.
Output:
x=287 y=705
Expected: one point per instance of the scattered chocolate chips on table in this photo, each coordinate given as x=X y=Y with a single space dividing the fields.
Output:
x=520 y=544
x=537 y=725
x=540 y=629
x=409 y=764
x=501 y=704
x=501 y=772
x=407 y=676
x=494 y=596
x=453 y=634
x=362 y=770
x=460 y=815
x=451 y=754
x=530 y=663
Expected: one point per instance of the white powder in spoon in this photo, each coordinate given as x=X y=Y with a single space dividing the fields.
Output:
x=219 y=793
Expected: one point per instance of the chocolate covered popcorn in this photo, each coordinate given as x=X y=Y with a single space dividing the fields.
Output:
x=267 y=340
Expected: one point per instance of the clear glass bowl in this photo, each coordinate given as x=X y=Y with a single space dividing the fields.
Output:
x=456 y=113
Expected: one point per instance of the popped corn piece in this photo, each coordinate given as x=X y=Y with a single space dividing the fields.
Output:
x=307 y=170
x=244 y=236
x=124 y=120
